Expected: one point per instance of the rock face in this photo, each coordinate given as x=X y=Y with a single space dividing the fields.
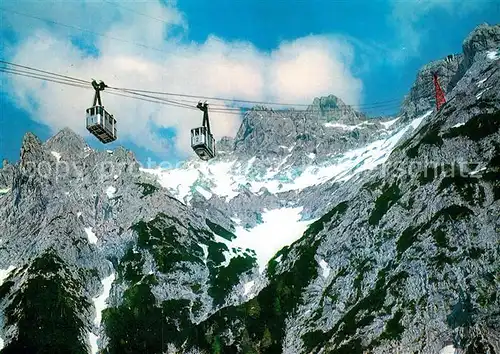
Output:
x=422 y=97
x=396 y=247
x=267 y=133
x=333 y=108
x=450 y=70
x=483 y=38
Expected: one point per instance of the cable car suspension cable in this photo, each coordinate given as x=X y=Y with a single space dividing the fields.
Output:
x=68 y=80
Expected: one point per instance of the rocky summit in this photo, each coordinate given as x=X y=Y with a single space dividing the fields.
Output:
x=313 y=231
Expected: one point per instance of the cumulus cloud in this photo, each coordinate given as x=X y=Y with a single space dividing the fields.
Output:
x=136 y=51
x=310 y=66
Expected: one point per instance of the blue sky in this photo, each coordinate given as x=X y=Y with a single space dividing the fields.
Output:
x=375 y=47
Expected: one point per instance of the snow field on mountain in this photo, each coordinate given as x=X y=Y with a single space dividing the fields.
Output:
x=91 y=235
x=449 y=349
x=100 y=305
x=56 y=155
x=389 y=123
x=224 y=178
x=492 y=55
x=280 y=228
x=4 y=273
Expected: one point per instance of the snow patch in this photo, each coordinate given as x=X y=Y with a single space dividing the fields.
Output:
x=481 y=82
x=4 y=273
x=346 y=126
x=250 y=163
x=478 y=96
x=287 y=220
x=90 y=235
x=56 y=155
x=248 y=286
x=115 y=177
x=110 y=191
x=493 y=55
x=311 y=155
x=341 y=126
x=389 y=123
x=449 y=349
x=416 y=122
x=100 y=301
x=477 y=171
x=177 y=181
x=224 y=178
x=4 y=190
x=205 y=251
x=78 y=214
x=109 y=152
x=325 y=267
x=458 y=125
x=100 y=305
x=206 y=194
x=93 y=343
x=227 y=254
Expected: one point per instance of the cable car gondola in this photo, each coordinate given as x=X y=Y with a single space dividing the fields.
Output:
x=99 y=122
x=202 y=141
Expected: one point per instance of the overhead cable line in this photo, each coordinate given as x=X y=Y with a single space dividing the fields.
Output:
x=143 y=98
x=241 y=100
x=153 y=99
x=167 y=93
x=68 y=80
x=360 y=106
x=46 y=72
x=137 y=12
x=81 y=29
x=135 y=91
x=42 y=77
x=69 y=83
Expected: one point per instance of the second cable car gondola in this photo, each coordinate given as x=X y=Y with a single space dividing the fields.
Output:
x=202 y=140
x=99 y=122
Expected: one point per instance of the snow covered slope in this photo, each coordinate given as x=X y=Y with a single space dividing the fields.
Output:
x=224 y=177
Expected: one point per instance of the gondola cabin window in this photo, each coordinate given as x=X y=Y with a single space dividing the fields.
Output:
x=198 y=136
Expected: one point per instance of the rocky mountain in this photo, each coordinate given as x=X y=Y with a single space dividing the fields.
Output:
x=316 y=231
x=327 y=126
x=450 y=70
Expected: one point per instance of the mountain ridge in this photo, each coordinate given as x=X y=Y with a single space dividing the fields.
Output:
x=388 y=243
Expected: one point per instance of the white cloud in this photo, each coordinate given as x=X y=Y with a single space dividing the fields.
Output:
x=312 y=66
x=296 y=71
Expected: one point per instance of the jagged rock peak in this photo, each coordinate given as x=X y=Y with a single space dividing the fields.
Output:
x=327 y=102
x=421 y=96
x=483 y=37
x=67 y=143
x=450 y=70
x=332 y=108
x=225 y=144
x=31 y=149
